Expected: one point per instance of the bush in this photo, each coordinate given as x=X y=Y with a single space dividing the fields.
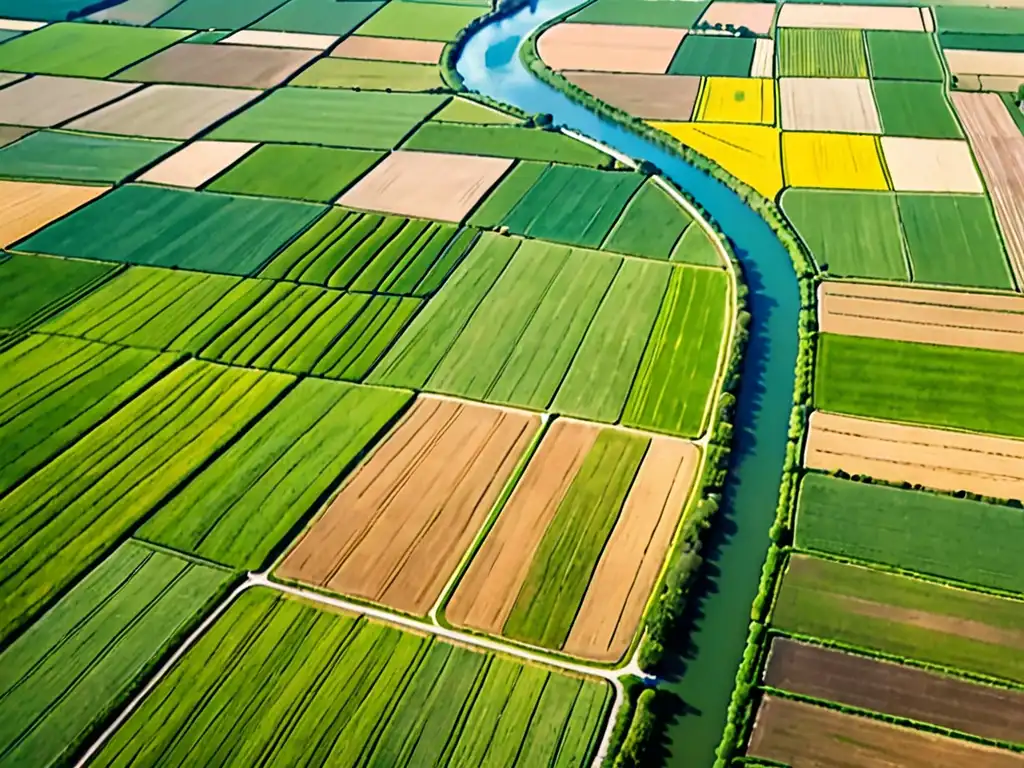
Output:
x=638 y=738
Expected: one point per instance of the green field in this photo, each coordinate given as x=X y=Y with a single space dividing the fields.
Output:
x=33 y=287
x=713 y=55
x=241 y=508
x=909 y=108
x=821 y=53
x=64 y=675
x=507 y=194
x=420 y=20
x=296 y=172
x=695 y=247
x=902 y=616
x=60 y=156
x=849 y=234
x=504 y=141
x=68 y=514
x=940 y=229
x=982 y=42
x=466 y=111
x=331 y=117
x=678 y=371
x=370 y=75
x=324 y=17
x=979 y=20
x=567 y=555
x=284 y=682
x=651 y=224
x=903 y=56
x=224 y=14
x=651 y=13
x=971 y=389
x=936 y=535
x=373 y=252
x=176 y=228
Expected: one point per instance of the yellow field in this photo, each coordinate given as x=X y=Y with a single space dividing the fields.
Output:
x=748 y=152
x=832 y=161
x=737 y=100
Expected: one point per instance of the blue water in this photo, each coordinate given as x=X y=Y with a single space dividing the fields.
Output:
x=702 y=671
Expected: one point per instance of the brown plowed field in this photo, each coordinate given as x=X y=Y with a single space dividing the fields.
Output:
x=807 y=736
x=632 y=558
x=895 y=689
x=397 y=530
x=649 y=97
x=238 y=66
x=757 y=17
x=489 y=588
x=935 y=458
x=999 y=148
x=609 y=47
x=390 y=49
x=977 y=320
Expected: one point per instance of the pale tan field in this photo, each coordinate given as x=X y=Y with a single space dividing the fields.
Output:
x=11 y=133
x=400 y=525
x=844 y=105
x=757 y=17
x=927 y=19
x=628 y=568
x=1009 y=83
x=930 y=165
x=390 y=49
x=44 y=101
x=850 y=17
x=935 y=458
x=267 y=39
x=232 y=66
x=649 y=97
x=488 y=590
x=609 y=48
x=6 y=78
x=197 y=163
x=985 y=63
x=999 y=147
x=950 y=318
x=21 y=25
x=763 y=63
x=431 y=185
x=26 y=206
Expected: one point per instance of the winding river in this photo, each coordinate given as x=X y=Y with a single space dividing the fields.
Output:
x=702 y=668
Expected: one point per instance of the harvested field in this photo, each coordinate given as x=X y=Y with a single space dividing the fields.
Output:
x=897 y=690
x=978 y=320
x=763 y=63
x=197 y=163
x=509 y=141
x=34 y=287
x=11 y=133
x=1004 y=63
x=648 y=97
x=165 y=111
x=800 y=734
x=850 y=17
x=757 y=17
x=915 y=108
x=399 y=527
x=390 y=49
x=844 y=105
x=457 y=184
x=934 y=458
x=737 y=100
x=821 y=52
x=26 y=206
x=836 y=161
x=370 y=75
x=903 y=56
x=237 y=66
x=713 y=55
x=44 y=101
x=319 y=16
x=266 y=38
x=999 y=148
x=609 y=48
x=930 y=165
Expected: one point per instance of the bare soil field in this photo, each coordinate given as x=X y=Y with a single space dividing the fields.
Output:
x=930 y=165
x=952 y=318
x=804 y=735
x=609 y=47
x=649 y=97
x=963 y=62
x=233 y=66
x=838 y=104
x=1007 y=83
x=935 y=458
x=999 y=147
x=850 y=17
x=390 y=49
x=197 y=163
x=398 y=528
x=265 y=38
x=488 y=590
x=45 y=101
x=763 y=64
x=632 y=558
x=166 y=111
x=431 y=185
x=757 y=17
x=26 y=206
x=895 y=689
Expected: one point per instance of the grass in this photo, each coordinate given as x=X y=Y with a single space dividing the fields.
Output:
x=696 y=247
x=909 y=108
x=331 y=117
x=370 y=75
x=467 y=111
x=903 y=56
x=224 y=15
x=66 y=516
x=420 y=21
x=940 y=229
x=504 y=141
x=981 y=42
x=32 y=287
x=176 y=228
x=957 y=387
x=280 y=679
x=650 y=225
x=936 y=535
x=713 y=55
x=240 y=509
x=677 y=373
x=875 y=610
x=506 y=195
x=653 y=13
x=325 y=17
x=79 y=661
x=821 y=53
x=849 y=234
x=296 y=172
x=561 y=568
x=982 y=21
x=60 y=156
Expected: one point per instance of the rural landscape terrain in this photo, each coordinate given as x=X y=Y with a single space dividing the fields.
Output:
x=352 y=417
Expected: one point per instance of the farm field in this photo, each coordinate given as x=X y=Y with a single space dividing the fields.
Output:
x=34 y=287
